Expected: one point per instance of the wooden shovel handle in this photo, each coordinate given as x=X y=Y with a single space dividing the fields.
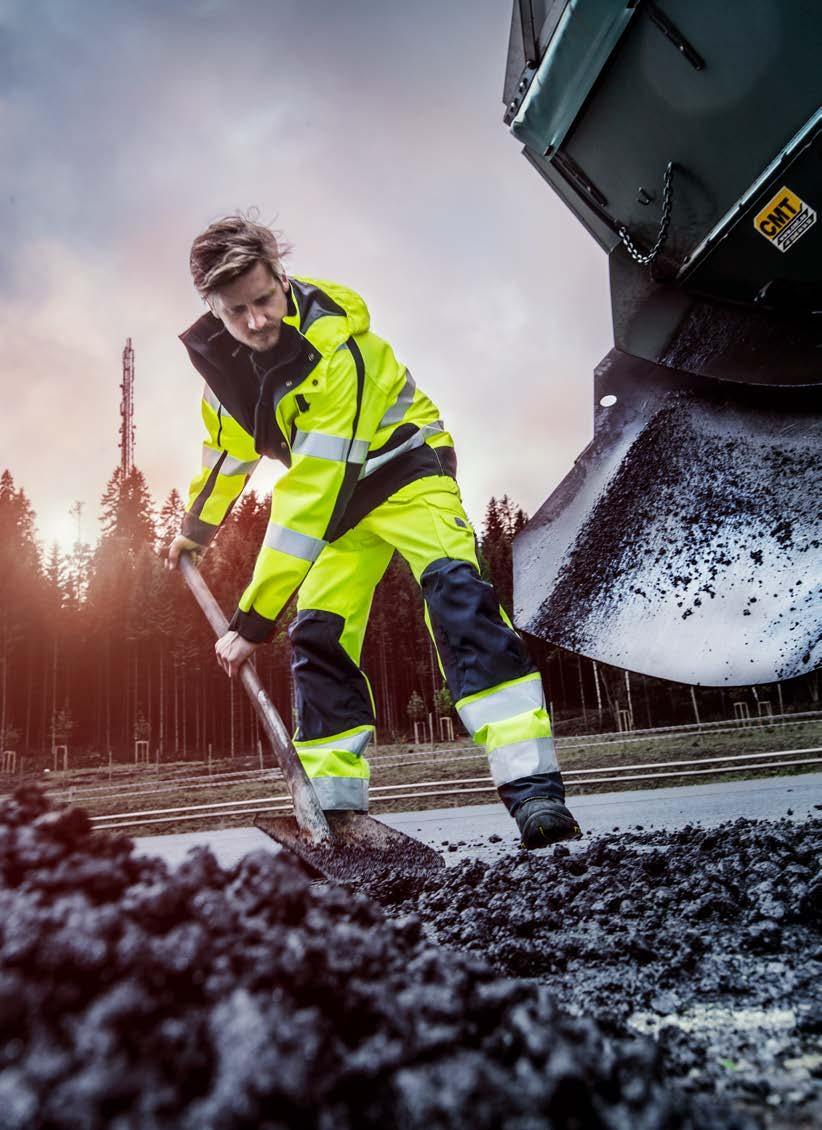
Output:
x=310 y=816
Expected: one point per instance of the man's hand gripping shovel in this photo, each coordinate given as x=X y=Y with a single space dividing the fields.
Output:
x=348 y=847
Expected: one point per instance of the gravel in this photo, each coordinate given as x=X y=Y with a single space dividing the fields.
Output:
x=708 y=940
x=689 y=540
x=132 y=995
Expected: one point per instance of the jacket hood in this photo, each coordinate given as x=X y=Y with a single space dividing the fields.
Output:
x=327 y=313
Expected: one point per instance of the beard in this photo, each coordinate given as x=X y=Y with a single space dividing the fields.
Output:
x=262 y=340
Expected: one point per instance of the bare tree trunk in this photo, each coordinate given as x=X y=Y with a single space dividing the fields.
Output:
x=628 y=698
x=696 y=708
x=647 y=702
x=44 y=700
x=231 y=696
x=563 y=697
x=162 y=701
x=185 y=730
x=4 y=663
x=609 y=698
x=107 y=684
x=384 y=695
x=214 y=740
x=546 y=685
x=98 y=704
x=199 y=718
x=27 y=741
x=241 y=727
x=176 y=711
x=599 y=694
x=582 y=693
x=3 y=707
x=53 y=695
x=127 y=701
x=123 y=699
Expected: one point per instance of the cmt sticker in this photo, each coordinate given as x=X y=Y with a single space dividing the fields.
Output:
x=785 y=219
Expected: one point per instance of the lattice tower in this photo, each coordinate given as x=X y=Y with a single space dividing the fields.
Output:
x=127 y=411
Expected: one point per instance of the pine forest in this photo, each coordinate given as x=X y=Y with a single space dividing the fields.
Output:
x=101 y=647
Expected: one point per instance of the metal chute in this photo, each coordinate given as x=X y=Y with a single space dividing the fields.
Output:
x=687 y=137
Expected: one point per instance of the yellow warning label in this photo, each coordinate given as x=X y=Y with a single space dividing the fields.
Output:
x=785 y=219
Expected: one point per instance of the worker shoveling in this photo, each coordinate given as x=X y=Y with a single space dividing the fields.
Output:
x=292 y=371
x=349 y=847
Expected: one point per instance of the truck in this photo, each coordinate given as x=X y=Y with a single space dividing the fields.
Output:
x=687 y=137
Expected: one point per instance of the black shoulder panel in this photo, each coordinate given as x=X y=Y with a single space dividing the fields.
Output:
x=225 y=366
x=313 y=303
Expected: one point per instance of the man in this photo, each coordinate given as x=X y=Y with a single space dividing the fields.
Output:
x=293 y=372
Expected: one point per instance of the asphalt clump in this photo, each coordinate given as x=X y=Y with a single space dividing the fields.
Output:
x=695 y=513
x=707 y=939
x=133 y=995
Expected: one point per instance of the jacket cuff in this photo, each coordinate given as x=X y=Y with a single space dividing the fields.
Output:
x=252 y=626
x=198 y=530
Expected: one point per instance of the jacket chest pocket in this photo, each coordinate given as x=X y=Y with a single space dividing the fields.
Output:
x=288 y=410
x=294 y=401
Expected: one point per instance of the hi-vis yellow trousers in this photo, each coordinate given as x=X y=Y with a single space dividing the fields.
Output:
x=496 y=689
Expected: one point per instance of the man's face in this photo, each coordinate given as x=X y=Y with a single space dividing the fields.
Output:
x=252 y=307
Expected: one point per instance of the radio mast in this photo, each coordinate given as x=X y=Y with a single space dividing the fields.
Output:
x=127 y=411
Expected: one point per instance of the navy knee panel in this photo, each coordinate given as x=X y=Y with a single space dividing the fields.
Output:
x=332 y=693
x=477 y=648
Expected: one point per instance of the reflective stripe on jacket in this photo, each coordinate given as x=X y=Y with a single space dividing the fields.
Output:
x=330 y=401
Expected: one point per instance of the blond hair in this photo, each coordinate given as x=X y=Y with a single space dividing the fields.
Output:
x=231 y=246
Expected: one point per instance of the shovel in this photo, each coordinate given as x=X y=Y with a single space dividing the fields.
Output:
x=347 y=847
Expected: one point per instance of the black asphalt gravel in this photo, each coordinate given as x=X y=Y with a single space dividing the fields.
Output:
x=710 y=518
x=136 y=996
x=709 y=939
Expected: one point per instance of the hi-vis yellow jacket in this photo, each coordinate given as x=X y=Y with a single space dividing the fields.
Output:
x=330 y=401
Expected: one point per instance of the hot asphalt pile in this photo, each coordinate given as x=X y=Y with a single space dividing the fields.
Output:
x=134 y=996
x=708 y=939
x=695 y=513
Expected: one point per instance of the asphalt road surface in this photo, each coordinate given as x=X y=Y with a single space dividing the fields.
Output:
x=485 y=831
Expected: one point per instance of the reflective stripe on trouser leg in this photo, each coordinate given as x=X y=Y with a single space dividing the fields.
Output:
x=335 y=708
x=337 y=769
x=518 y=696
x=498 y=692
x=512 y=723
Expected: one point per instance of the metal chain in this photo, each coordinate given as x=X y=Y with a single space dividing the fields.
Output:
x=664 y=224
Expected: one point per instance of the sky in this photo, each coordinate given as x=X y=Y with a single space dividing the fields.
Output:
x=371 y=134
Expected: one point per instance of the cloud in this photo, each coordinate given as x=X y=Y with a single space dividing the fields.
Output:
x=372 y=132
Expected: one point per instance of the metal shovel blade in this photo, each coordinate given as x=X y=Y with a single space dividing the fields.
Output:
x=364 y=852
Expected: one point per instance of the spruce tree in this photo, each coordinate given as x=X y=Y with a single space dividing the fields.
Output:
x=503 y=520
x=170 y=518
x=23 y=616
x=127 y=509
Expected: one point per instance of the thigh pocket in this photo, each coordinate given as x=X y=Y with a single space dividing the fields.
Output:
x=454 y=532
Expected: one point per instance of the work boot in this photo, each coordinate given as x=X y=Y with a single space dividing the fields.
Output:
x=543 y=821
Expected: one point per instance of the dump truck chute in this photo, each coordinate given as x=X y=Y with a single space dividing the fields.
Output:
x=687 y=137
